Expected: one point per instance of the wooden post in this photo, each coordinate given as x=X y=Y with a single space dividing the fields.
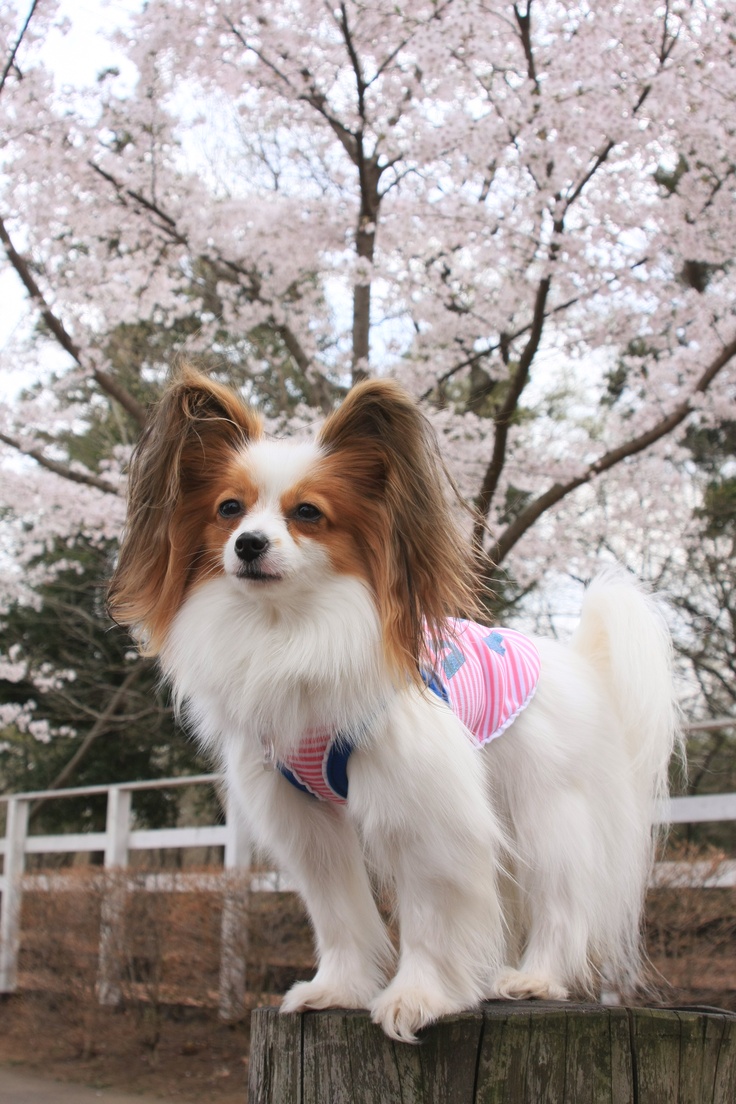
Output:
x=234 y=929
x=507 y=1053
x=16 y=831
x=112 y=913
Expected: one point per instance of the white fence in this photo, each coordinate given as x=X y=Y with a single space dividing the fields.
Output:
x=116 y=843
x=120 y=838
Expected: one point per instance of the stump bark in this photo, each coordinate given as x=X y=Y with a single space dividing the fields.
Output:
x=520 y=1053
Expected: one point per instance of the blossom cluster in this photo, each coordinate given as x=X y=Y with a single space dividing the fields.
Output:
x=523 y=212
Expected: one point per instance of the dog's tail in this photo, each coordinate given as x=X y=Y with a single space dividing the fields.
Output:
x=623 y=633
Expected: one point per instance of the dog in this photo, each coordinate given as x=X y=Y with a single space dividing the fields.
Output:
x=312 y=604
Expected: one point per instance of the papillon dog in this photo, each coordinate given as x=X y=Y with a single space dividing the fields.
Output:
x=313 y=605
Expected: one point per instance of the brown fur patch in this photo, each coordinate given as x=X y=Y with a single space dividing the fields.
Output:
x=188 y=447
x=383 y=460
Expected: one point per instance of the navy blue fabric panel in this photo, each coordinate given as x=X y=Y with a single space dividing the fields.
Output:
x=336 y=767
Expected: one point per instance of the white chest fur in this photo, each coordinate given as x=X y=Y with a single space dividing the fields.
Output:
x=267 y=665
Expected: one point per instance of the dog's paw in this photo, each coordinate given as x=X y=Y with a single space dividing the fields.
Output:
x=401 y=1012
x=517 y=985
x=321 y=993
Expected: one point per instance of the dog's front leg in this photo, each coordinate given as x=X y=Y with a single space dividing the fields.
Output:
x=420 y=801
x=354 y=952
x=317 y=846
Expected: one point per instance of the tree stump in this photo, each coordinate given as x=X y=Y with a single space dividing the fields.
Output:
x=506 y=1053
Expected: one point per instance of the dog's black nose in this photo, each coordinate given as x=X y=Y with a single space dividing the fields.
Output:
x=249 y=546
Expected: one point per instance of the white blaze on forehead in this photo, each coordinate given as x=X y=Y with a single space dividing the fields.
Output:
x=276 y=466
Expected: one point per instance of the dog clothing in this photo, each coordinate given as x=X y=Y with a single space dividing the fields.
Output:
x=486 y=676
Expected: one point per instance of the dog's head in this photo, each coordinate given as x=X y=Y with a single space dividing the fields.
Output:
x=210 y=495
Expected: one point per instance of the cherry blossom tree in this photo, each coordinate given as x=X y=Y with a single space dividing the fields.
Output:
x=524 y=211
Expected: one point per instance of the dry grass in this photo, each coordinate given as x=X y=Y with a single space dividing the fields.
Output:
x=165 y=1035
x=691 y=933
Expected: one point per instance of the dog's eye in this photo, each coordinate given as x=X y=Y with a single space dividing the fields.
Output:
x=230 y=508
x=305 y=511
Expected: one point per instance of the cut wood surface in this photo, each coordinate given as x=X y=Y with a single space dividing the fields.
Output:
x=521 y=1053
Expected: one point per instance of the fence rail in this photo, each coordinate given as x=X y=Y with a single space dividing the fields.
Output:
x=120 y=839
x=117 y=843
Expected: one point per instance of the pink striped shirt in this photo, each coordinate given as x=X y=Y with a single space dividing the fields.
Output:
x=490 y=675
x=487 y=677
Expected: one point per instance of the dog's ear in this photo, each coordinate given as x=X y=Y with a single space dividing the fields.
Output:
x=196 y=425
x=195 y=419
x=423 y=567
x=378 y=410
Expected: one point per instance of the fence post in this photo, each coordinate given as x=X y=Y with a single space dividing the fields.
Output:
x=234 y=929
x=112 y=910
x=16 y=831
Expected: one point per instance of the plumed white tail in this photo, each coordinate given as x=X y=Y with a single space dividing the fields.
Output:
x=578 y=782
x=624 y=635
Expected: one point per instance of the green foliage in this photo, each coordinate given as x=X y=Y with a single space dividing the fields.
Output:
x=719 y=508
x=630 y=372
x=711 y=448
x=706 y=595
x=502 y=596
x=515 y=501
x=75 y=662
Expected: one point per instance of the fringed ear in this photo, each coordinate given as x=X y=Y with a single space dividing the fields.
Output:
x=197 y=423
x=423 y=568
x=195 y=416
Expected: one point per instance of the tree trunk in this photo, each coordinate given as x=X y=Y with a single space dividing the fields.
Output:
x=521 y=1053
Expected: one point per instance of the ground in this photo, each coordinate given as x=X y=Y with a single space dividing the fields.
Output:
x=196 y=1058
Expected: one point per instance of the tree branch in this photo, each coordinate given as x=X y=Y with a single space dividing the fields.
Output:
x=312 y=96
x=168 y=226
x=521 y=376
x=22 y=267
x=104 y=380
x=86 y=478
x=11 y=58
x=98 y=728
x=502 y=421
x=523 y=522
x=508 y=338
x=524 y=23
x=223 y=267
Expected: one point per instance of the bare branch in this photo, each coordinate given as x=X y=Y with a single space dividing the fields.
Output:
x=22 y=267
x=312 y=95
x=524 y=23
x=222 y=266
x=168 y=226
x=360 y=84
